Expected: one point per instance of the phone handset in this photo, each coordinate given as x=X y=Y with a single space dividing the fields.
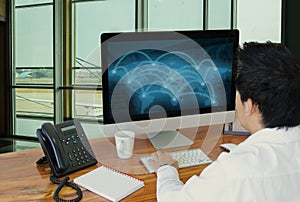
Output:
x=51 y=139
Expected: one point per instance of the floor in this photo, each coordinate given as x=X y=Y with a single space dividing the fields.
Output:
x=11 y=145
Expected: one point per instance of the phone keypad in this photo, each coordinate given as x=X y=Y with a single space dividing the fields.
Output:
x=80 y=156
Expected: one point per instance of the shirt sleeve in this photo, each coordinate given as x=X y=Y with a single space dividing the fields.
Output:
x=210 y=185
x=168 y=184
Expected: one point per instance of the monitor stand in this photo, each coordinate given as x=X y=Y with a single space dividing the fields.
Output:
x=168 y=139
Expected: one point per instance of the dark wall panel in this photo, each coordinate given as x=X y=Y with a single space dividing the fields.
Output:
x=291 y=26
x=4 y=82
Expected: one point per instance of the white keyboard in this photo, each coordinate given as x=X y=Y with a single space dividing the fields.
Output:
x=185 y=158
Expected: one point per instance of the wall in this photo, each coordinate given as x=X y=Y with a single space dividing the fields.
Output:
x=259 y=20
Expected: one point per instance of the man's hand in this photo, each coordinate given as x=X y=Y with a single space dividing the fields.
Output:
x=162 y=158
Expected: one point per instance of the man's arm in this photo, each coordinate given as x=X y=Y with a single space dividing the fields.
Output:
x=168 y=182
x=207 y=187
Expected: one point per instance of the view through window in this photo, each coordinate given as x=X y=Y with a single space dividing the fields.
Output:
x=35 y=83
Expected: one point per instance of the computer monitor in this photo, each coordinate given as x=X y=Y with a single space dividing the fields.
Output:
x=159 y=81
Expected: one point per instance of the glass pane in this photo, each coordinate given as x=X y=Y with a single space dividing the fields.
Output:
x=34 y=102
x=33 y=64
x=90 y=19
x=34 y=36
x=175 y=14
x=88 y=103
x=219 y=14
x=27 y=126
x=34 y=76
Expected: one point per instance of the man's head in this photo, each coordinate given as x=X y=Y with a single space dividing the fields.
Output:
x=269 y=77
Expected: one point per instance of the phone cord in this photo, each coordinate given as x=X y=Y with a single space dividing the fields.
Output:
x=62 y=183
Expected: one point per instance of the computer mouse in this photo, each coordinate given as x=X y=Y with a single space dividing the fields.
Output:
x=228 y=146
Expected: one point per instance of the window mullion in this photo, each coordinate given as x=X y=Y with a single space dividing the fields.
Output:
x=62 y=60
x=67 y=68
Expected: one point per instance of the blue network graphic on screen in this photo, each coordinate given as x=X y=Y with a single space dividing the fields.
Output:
x=156 y=81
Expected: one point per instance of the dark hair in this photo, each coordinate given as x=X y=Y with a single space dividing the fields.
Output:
x=269 y=75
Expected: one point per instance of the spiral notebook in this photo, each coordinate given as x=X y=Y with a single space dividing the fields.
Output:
x=109 y=183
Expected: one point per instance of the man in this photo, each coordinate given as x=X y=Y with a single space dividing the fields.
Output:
x=266 y=166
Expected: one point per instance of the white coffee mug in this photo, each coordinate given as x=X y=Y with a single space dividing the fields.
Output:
x=124 y=141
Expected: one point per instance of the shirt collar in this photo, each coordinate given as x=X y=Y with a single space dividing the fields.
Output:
x=279 y=135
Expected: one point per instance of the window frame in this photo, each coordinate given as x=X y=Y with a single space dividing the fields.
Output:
x=62 y=86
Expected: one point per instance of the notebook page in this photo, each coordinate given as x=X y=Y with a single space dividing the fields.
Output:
x=109 y=183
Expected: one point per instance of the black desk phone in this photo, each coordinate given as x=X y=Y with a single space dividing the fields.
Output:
x=66 y=147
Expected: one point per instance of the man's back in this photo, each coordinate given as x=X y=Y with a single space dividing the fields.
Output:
x=266 y=167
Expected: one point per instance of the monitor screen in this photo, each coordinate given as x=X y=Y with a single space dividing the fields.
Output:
x=155 y=75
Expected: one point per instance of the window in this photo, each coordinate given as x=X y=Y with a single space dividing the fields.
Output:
x=89 y=20
x=56 y=63
x=32 y=65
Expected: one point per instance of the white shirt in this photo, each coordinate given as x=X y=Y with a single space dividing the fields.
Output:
x=263 y=168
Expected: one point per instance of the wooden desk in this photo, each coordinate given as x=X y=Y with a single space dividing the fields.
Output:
x=22 y=180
